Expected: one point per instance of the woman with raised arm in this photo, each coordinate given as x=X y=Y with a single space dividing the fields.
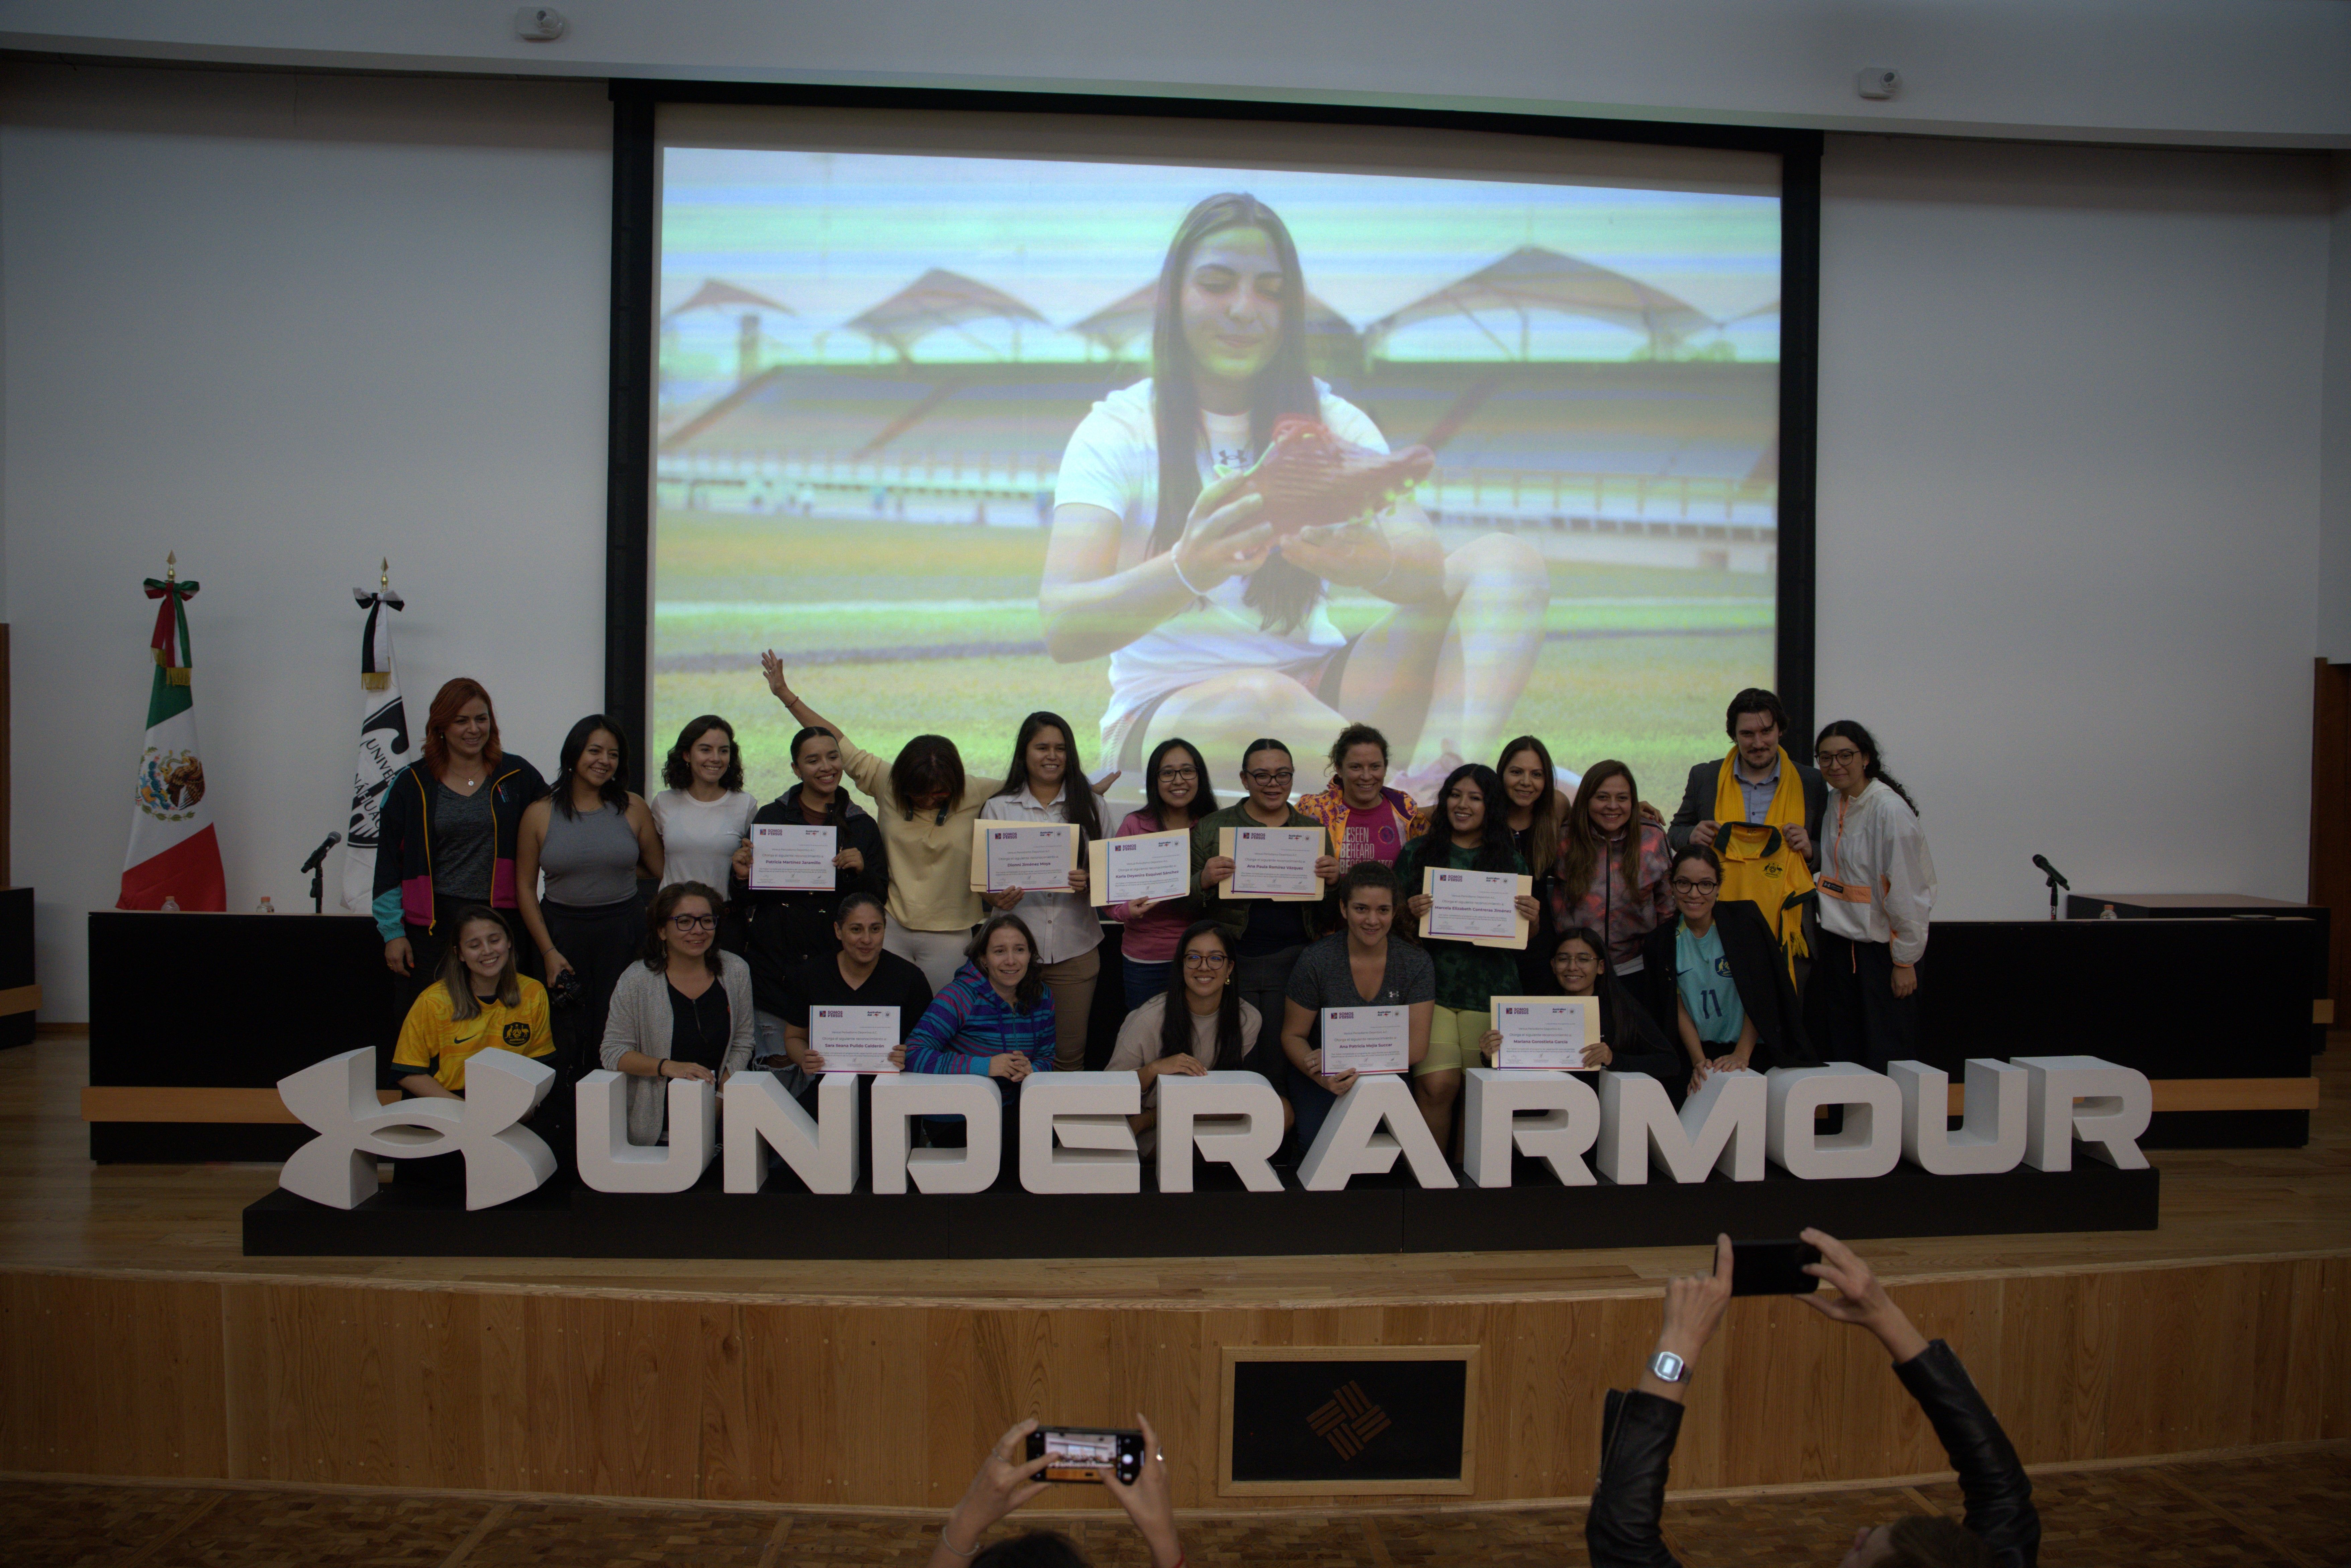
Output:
x=1045 y=782
x=1470 y=834
x=1175 y=794
x=1203 y=515
x=589 y=837
x=1364 y=965
x=1877 y=889
x=1629 y=1039
x=684 y=1012
x=703 y=814
x=450 y=821
x=1611 y=873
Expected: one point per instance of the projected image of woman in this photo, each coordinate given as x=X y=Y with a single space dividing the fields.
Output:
x=1213 y=615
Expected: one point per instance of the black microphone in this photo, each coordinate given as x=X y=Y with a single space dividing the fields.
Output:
x=321 y=853
x=2055 y=875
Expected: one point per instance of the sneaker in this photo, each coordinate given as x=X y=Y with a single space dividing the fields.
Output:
x=1311 y=478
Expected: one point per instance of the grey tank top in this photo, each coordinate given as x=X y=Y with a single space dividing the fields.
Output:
x=590 y=860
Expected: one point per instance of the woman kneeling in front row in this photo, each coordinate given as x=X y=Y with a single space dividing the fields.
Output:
x=1629 y=1039
x=1198 y=1025
x=685 y=1012
x=994 y=1018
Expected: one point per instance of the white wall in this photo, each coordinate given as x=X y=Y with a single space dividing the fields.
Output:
x=2189 y=71
x=2335 y=497
x=2068 y=505
x=285 y=326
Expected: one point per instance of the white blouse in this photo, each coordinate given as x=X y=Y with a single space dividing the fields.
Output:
x=699 y=837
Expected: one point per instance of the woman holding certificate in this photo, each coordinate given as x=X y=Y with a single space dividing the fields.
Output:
x=1718 y=973
x=1364 y=967
x=1045 y=784
x=1175 y=794
x=863 y=975
x=1471 y=835
x=822 y=849
x=1629 y=1040
x=1268 y=932
x=1198 y=1025
x=685 y=1012
x=994 y=1018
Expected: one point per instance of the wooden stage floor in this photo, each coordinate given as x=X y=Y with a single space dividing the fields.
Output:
x=136 y=1340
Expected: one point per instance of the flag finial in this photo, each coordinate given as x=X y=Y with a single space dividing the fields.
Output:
x=171 y=565
x=385 y=580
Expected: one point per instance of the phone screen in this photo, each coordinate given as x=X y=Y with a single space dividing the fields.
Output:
x=1084 y=1454
x=1772 y=1268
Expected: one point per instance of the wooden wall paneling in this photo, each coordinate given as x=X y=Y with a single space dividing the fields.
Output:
x=2056 y=1356
x=618 y=1400
x=114 y=1376
x=724 y=1467
x=957 y=1427
x=503 y=1417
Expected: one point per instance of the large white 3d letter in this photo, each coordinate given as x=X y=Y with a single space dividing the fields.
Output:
x=336 y=1098
x=609 y=1163
x=1721 y=1127
x=1243 y=1098
x=822 y=1151
x=1087 y=1111
x=2083 y=1097
x=898 y=1096
x=1871 y=1142
x=1563 y=1132
x=1991 y=1138
x=1351 y=1143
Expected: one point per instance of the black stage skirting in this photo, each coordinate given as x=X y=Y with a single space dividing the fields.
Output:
x=1382 y=1215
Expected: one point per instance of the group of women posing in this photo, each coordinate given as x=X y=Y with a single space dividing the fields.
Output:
x=711 y=977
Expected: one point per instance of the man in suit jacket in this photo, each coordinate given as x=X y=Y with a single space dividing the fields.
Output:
x=1756 y=723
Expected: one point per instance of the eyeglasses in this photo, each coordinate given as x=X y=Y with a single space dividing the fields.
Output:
x=694 y=922
x=1268 y=777
x=1684 y=884
x=1834 y=758
x=1178 y=775
x=1206 y=960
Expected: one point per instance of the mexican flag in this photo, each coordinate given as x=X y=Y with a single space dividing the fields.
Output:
x=385 y=747
x=174 y=853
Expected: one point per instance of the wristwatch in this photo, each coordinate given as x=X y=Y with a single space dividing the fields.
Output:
x=1667 y=1368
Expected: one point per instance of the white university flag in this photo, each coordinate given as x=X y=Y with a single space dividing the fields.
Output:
x=385 y=747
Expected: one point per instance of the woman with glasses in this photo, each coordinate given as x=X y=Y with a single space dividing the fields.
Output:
x=1175 y=794
x=1629 y=1039
x=1877 y=887
x=1716 y=970
x=685 y=1012
x=1198 y=1025
x=1266 y=937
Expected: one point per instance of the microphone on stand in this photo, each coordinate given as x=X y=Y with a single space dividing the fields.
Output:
x=2056 y=880
x=317 y=866
x=333 y=839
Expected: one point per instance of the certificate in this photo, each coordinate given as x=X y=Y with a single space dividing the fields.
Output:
x=793 y=858
x=1272 y=863
x=1035 y=857
x=1475 y=906
x=1145 y=865
x=1366 y=1040
x=1546 y=1033
x=854 y=1039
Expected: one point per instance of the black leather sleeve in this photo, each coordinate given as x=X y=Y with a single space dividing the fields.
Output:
x=1999 y=1496
x=1636 y=1449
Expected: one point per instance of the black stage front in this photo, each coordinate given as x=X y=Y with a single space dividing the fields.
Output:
x=1382 y=1215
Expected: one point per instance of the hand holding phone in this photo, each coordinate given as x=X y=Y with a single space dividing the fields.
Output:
x=1088 y=1453
x=1773 y=1268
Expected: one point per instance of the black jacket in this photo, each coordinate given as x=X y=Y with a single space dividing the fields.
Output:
x=1636 y=1446
x=784 y=930
x=1757 y=967
x=1705 y=778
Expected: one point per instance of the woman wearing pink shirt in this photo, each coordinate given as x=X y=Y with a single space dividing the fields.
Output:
x=1175 y=795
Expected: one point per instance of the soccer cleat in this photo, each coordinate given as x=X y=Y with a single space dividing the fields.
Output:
x=1311 y=478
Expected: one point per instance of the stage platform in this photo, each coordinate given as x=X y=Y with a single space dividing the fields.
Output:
x=137 y=1340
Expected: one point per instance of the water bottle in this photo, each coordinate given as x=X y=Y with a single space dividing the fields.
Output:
x=2106 y=911
x=266 y=908
x=170 y=904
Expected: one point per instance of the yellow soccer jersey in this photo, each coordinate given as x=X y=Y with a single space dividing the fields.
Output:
x=431 y=1042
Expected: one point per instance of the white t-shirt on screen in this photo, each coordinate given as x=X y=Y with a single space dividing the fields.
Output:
x=1112 y=462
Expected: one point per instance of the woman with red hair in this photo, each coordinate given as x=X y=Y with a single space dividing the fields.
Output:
x=451 y=821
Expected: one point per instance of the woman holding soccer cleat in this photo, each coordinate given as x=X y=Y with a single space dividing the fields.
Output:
x=1203 y=516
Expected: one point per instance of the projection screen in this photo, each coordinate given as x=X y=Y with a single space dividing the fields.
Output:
x=914 y=369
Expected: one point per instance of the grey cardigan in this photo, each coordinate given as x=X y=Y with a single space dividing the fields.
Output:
x=641 y=1020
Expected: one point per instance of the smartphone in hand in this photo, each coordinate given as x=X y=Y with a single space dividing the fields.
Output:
x=1088 y=1453
x=1772 y=1268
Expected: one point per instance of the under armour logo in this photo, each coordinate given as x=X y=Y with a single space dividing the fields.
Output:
x=336 y=1098
x=1350 y=1421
